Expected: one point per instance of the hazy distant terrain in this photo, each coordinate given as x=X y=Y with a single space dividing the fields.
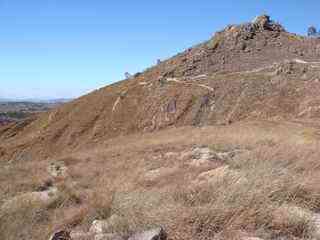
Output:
x=12 y=111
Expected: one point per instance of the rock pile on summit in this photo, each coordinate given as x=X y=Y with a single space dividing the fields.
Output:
x=264 y=22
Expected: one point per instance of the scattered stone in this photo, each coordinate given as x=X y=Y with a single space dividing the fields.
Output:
x=61 y=235
x=153 y=234
x=105 y=226
x=205 y=155
x=218 y=174
x=57 y=169
x=202 y=155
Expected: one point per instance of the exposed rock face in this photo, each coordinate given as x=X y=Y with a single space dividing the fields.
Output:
x=153 y=234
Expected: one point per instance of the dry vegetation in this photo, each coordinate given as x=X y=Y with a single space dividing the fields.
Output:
x=271 y=188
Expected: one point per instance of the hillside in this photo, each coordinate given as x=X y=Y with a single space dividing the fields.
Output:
x=249 y=71
x=235 y=116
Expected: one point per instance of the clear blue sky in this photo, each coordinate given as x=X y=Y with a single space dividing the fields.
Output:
x=64 y=48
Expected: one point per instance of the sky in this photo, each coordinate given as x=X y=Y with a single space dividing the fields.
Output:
x=66 y=48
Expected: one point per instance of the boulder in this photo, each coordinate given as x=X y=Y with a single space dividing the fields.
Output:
x=153 y=234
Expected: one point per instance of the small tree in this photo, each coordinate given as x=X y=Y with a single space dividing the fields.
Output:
x=312 y=31
x=127 y=75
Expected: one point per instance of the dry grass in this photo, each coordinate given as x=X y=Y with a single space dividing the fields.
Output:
x=277 y=192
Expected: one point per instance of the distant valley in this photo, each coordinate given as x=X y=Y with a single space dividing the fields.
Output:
x=12 y=110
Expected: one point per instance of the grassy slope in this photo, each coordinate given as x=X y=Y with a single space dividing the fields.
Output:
x=279 y=168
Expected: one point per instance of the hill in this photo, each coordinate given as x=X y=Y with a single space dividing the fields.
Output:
x=217 y=142
x=247 y=71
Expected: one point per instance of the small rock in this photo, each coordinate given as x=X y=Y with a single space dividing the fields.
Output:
x=105 y=226
x=57 y=169
x=205 y=155
x=153 y=234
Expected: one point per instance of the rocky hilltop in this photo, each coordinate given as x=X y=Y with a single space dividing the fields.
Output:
x=218 y=142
